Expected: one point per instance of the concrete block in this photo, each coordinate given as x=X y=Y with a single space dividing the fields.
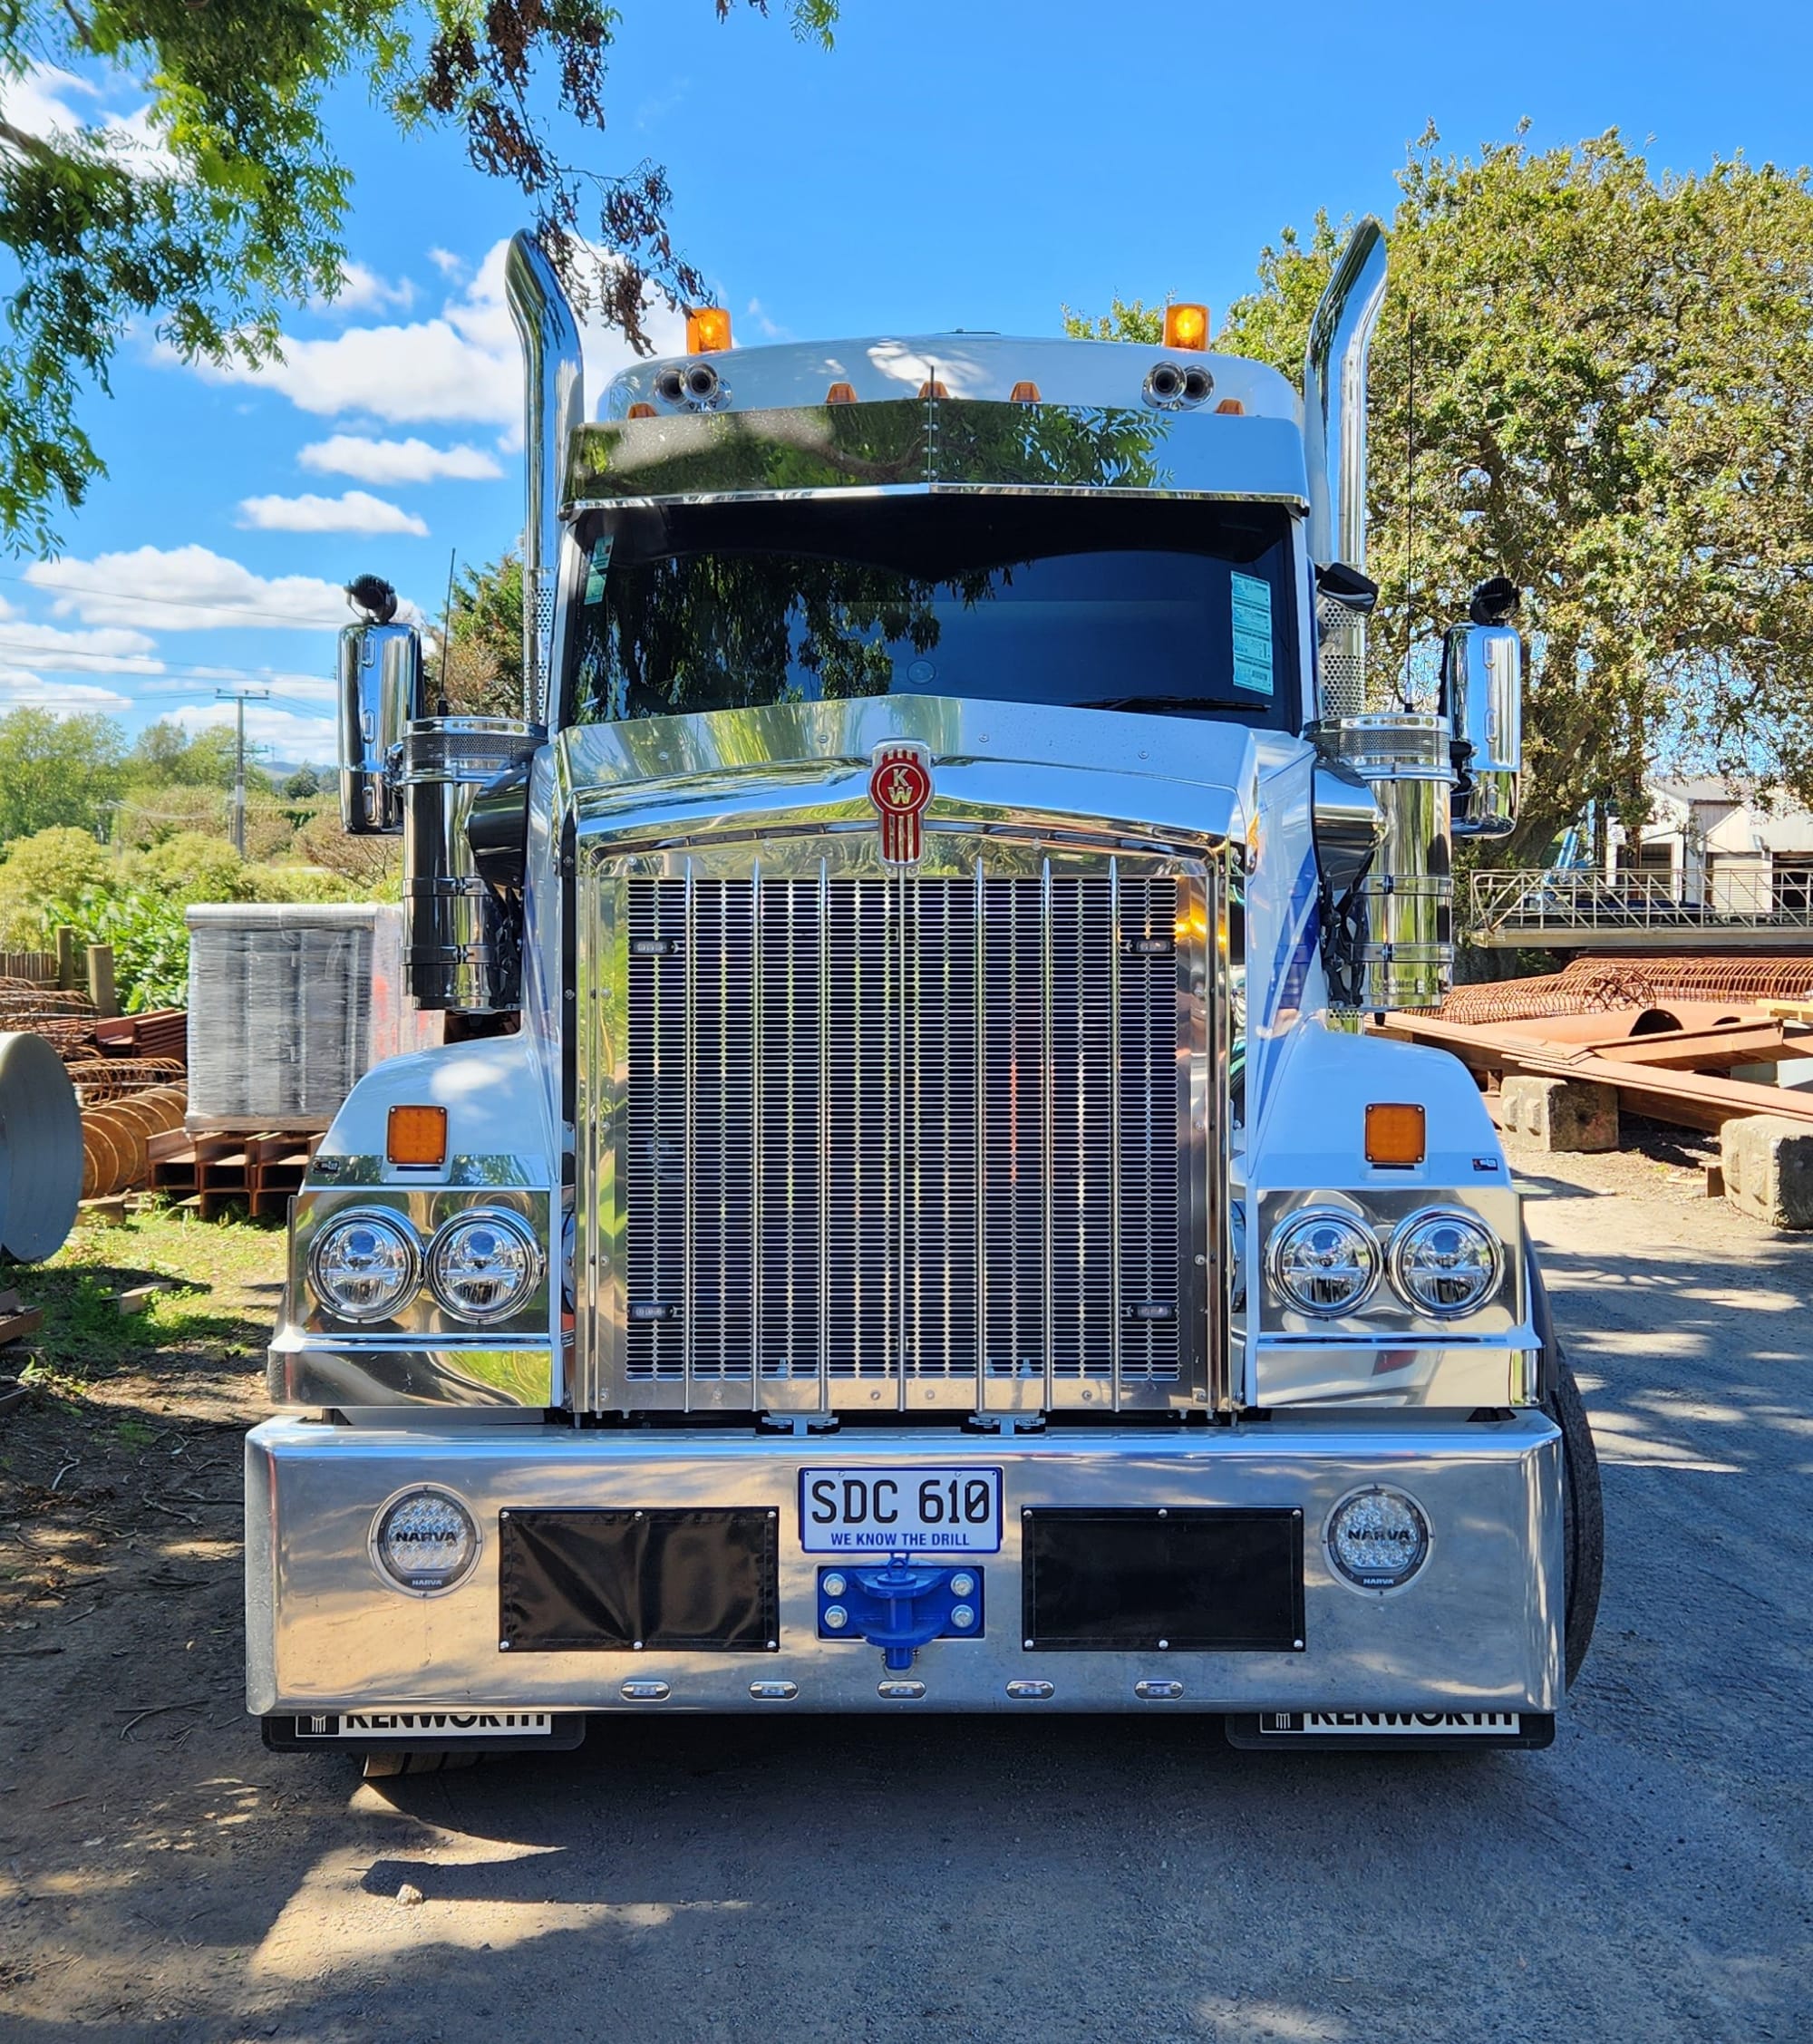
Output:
x=1768 y=1162
x=1561 y=1114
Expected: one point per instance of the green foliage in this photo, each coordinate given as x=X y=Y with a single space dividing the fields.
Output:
x=165 y=755
x=40 y=877
x=482 y=676
x=150 y=939
x=55 y=770
x=193 y=866
x=1610 y=376
x=243 y=211
x=304 y=784
x=301 y=883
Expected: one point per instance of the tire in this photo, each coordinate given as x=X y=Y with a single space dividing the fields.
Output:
x=1582 y=1500
x=384 y=1766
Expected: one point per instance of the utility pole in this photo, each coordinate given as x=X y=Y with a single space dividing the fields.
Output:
x=240 y=697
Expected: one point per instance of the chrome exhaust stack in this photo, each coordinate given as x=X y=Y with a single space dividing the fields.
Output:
x=554 y=404
x=1334 y=443
x=1387 y=919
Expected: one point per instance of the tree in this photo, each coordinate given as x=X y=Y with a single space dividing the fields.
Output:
x=481 y=674
x=165 y=755
x=239 y=209
x=1598 y=381
x=41 y=877
x=57 y=771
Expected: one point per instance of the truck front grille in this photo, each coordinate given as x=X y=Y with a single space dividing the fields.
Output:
x=889 y=1143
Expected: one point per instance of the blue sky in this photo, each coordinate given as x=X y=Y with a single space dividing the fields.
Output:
x=948 y=164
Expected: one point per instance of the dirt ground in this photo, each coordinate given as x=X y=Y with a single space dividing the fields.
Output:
x=161 y=1877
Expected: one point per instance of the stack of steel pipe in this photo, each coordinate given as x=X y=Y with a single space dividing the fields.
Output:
x=117 y=1138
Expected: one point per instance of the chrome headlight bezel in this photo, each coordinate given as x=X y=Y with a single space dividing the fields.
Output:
x=502 y=1222
x=1379 y=1581
x=423 y=1582
x=384 y=1222
x=1287 y=1235
x=1402 y=1245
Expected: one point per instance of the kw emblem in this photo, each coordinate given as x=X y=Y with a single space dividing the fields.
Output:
x=901 y=788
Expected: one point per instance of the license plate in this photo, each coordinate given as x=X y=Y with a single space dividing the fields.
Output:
x=427 y=1724
x=953 y=1510
x=1387 y=1724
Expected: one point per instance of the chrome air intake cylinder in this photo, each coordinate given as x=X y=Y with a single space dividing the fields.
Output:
x=461 y=948
x=1389 y=942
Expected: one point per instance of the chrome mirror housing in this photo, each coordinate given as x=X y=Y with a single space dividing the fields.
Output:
x=380 y=691
x=1482 y=665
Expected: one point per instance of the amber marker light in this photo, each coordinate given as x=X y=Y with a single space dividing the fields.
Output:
x=840 y=394
x=1233 y=407
x=1024 y=393
x=1395 y=1133
x=1187 y=327
x=932 y=388
x=416 y=1135
x=708 y=331
x=642 y=412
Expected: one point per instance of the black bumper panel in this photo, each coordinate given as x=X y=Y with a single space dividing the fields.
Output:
x=590 y=1582
x=1187 y=1581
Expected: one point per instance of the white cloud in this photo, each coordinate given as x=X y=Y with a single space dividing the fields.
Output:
x=396 y=460
x=110 y=650
x=464 y=365
x=40 y=101
x=447 y=262
x=364 y=290
x=188 y=589
x=292 y=736
x=353 y=510
x=20 y=688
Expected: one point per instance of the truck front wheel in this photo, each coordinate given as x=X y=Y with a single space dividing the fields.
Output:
x=1583 y=1505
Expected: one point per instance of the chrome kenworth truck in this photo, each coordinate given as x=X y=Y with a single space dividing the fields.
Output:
x=908 y=1216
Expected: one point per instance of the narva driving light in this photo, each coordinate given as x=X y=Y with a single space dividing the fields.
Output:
x=365 y=1265
x=1378 y=1539
x=483 y=1266
x=1323 y=1261
x=1444 y=1262
x=424 y=1542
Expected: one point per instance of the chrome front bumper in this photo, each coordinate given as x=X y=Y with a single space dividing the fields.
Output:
x=1478 y=1629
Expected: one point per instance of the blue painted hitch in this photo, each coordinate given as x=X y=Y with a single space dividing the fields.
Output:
x=899 y=1608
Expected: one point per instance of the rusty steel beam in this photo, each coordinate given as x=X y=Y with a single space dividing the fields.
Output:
x=1691 y=1099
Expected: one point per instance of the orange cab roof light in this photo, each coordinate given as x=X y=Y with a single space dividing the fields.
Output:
x=840 y=394
x=642 y=412
x=416 y=1135
x=708 y=331
x=933 y=388
x=1395 y=1133
x=1233 y=407
x=1186 y=327
x=1024 y=393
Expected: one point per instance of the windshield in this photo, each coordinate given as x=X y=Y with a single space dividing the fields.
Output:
x=1177 y=607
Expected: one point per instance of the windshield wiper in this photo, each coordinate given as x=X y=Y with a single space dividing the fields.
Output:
x=1157 y=705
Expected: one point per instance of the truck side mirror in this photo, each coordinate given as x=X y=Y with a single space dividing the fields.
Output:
x=380 y=692
x=1483 y=677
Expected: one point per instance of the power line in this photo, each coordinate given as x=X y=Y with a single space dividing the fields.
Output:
x=63 y=587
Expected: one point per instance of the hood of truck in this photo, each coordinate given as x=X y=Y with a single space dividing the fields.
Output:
x=1001 y=765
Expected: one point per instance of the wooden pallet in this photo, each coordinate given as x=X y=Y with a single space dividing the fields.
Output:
x=16 y=1321
x=256 y=1173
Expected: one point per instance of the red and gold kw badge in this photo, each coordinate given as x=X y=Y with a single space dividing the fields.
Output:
x=900 y=788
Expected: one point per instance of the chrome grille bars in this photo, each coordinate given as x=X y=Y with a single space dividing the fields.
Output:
x=880 y=1143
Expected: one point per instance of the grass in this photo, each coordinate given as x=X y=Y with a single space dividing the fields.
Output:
x=219 y=1302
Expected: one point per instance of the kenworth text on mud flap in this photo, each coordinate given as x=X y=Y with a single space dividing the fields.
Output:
x=911 y=1222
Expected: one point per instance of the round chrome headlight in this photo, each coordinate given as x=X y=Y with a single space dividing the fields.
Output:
x=424 y=1541
x=1377 y=1538
x=483 y=1266
x=1444 y=1262
x=1325 y=1261
x=365 y=1265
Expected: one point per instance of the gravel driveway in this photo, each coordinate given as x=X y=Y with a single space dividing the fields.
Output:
x=1647 y=1878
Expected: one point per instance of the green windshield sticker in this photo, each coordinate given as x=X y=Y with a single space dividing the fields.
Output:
x=601 y=561
x=1252 y=633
